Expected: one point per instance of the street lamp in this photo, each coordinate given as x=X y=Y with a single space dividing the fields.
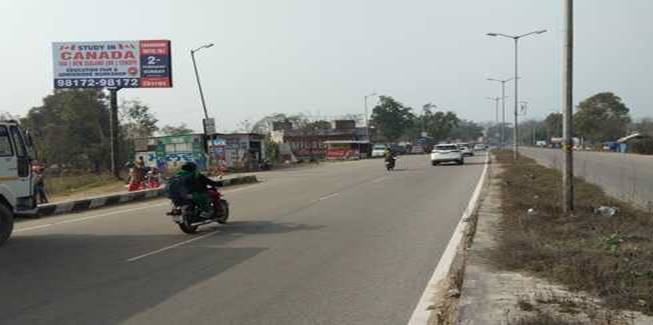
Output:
x=199 y=86
x=523 y=108
x=516 y=39
x=367 y=127
x=503 y=103
x=496 y=101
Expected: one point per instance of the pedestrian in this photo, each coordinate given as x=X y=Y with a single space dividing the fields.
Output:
x=39 y=185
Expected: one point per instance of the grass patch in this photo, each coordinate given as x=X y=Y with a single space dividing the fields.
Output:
x=62 y=185
x=544 y=319
x=610 y=257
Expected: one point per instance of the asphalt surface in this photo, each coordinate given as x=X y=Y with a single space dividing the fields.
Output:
x=341 y=243
x=627 y=177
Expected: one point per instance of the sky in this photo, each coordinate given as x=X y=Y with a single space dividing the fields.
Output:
x=321 y=57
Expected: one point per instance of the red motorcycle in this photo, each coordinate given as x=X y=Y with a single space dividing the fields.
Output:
x=188 y=216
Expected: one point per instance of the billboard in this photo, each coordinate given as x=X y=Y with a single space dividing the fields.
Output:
x=120 y=64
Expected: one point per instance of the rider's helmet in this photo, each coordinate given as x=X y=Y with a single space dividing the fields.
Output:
x=189 y=167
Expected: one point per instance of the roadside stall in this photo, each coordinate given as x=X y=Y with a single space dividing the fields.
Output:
x=347 y=149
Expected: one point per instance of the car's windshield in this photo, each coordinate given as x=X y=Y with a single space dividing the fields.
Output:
x=446 y=147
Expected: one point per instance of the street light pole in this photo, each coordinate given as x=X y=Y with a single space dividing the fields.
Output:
x=367 y=125
x=516 y=40
x=197 y=77
x=199 y=86
x=515 y=132
x=503 y=103
x=496 y=107
x=568 y=68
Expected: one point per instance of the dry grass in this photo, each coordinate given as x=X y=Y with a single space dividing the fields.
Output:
x=65 y=185
x=544 y=319
x=609 y=257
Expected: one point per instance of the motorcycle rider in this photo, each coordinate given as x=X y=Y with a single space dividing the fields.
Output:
x=389 y=155
x=197 y=184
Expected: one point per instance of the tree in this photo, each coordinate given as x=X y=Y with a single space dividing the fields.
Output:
x=137 y=120
x=531 y=131
x=644 y=126
x=71 y=128
x=553 y=125
x=181 y=129
x=319 y=125
x=264 y=125
x=602 y=117
x=466 y=131
x=439 y=124
x=391 y=118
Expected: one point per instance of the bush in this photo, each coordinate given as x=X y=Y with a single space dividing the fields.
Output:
x=642 y=146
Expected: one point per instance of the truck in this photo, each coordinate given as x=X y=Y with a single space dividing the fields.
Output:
x=16 y=188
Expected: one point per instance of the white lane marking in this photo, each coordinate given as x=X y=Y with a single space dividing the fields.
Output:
x=422 y=313
x=328 y=196
x=379 y=180
x=108 y=214
x=88 y=218
x=160 y=250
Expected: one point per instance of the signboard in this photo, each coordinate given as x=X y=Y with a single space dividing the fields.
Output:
x=209 y=125
x=119 y=64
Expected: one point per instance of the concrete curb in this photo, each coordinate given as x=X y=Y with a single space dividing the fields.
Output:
x=429 y=303
x=121 y=198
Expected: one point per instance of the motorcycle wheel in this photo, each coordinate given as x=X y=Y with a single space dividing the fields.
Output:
x=187 y=228
x=225 y=212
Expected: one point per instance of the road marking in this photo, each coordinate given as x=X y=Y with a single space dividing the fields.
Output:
x=379 y=180
x=328 y=196
x=112 y=213
x=160 y=250
x=87 y=218
x=422 y=313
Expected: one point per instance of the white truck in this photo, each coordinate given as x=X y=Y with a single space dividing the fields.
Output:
x=16 y=189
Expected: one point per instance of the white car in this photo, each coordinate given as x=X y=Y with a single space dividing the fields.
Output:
x=479 y=147
x=465 y=149
x=446 y=153
x=378 y=150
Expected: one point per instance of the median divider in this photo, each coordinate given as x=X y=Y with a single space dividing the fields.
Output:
x=122 y=198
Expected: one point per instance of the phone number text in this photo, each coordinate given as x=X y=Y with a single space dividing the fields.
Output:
x=97 y=83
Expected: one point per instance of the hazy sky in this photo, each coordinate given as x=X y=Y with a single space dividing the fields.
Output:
x=323 y=56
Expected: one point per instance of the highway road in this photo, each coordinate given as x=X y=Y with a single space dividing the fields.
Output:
x=625 y=176
x=341 y=243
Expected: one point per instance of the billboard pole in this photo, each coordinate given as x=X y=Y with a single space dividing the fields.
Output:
x=114 y=131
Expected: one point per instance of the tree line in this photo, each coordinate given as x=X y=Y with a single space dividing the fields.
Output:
x=392 y=121
x=603 y=117
x=71 y=128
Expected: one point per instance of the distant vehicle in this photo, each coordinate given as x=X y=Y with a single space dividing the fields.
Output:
x=418 y=150
x=540 y=143
x=446 y=153
x=398 y=149
x=479 y=147
x=466 y=149
x=378 y=150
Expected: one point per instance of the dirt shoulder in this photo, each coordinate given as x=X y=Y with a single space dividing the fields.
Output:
x=531 y=264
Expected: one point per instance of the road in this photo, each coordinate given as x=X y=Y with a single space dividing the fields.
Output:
x=342 y=243
x=624 y=176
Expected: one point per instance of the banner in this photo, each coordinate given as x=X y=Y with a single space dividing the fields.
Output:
x=112 y=64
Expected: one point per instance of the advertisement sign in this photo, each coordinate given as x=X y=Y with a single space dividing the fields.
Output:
x=119 y=64
x=209 y=125
x=342 y=153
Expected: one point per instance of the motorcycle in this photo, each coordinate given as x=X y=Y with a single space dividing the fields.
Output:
x=390 y=163
x=188 y=216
